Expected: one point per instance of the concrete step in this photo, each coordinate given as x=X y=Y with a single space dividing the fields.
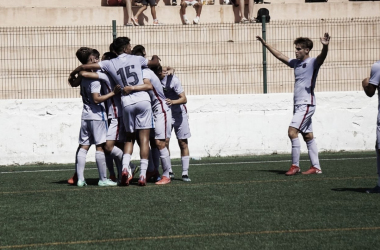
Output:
x=97 y=15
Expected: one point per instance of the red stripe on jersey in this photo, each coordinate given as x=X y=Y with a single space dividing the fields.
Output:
x=113 y=102
x=185 y=107
x=304 y=117
x=162 y=108
x=117 y=129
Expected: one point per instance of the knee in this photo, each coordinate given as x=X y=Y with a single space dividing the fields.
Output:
x=307 y=137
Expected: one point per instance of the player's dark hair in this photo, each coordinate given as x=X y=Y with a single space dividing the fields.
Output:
x=83 y=53
x=157 y=69
x=95 y=53
x=109 y=56
x=111 y=48
x=120 y=43
x=305 y=42
x=138 y=50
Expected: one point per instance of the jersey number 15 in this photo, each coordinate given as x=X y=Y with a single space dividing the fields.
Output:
x=127 y=74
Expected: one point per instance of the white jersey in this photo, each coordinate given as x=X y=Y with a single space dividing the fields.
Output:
x=113 y=104
x=305 y=73
x=374 y=79
x=157 y=95
x=91 y=110
x=126 y=70
x=172 y=89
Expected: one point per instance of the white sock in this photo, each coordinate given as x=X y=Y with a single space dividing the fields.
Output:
x=126 y=161
x=117 y=155
x=165 y=161
x=81 y=162
x=143 y=167
x=185 y=160
x=109 y=163
x=313 y=153
x=296 y=151
x=100 y=159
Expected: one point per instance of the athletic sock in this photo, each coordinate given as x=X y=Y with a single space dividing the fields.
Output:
x=143 y=167
x=156 y=158
x=100 y=159
x=165 y=161
x=126 y=161
x=185 y=164
x=313 y=153
x=117 y=155
x=81 y=162
x=296 y=151
x=109 y=163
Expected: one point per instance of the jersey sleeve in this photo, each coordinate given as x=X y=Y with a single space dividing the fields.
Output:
x=292 y=62
x=96 y=87
x=176 y=85
x=104 y=65
x=375 y=74
x=146 y=74
x=103 y=77
x=143 y=61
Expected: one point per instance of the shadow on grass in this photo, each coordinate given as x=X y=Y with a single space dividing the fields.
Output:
x=275 y=171
x=357 y=190
x=90 y=182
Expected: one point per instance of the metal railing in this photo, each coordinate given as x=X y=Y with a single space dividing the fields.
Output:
x=209 y=59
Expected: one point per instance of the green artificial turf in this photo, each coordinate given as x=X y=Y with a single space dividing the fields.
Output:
x=231 y=203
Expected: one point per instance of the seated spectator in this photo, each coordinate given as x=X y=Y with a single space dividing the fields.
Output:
x=198 y=8
x=145 y=3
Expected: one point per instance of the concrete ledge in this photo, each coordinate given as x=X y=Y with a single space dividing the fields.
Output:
x=46 y=131
x=96 y=15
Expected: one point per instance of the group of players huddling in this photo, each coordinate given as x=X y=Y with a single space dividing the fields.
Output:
x=146 y=88
x=127 y=98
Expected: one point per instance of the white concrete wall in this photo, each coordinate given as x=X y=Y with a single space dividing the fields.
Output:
x=46 y=131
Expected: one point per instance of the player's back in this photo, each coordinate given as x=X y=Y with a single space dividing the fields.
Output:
x=157 y=95
x=172 y=89
x=91 y=110
x=113 y=104
x=126 y=71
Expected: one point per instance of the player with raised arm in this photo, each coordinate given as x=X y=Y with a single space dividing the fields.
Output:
x=176 y=100
x=126 y=70
x=305 y=71
x=370 y=84
x=94 y=124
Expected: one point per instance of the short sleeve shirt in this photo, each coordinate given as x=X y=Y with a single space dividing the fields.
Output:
x=113 y=104
x=172 y=89
x=305 y=74
x=126 y=70
x=157 y=95
x=375 y=78
x=91 y=110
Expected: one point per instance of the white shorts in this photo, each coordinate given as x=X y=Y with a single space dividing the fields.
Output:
x=92 y=132
x=302 y=117
x=162 y=125
x=180 y=123
x=138 y=116
x=116 y=130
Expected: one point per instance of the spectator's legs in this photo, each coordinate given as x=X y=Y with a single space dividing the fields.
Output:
x=153 y=11
x=141 y=10
x=128 y=9
x=251 y=16
x=241 y=10
x=198 y=9
x=183 y=12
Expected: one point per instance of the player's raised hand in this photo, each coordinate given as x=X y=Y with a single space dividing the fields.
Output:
x=325 y=39
x=259 y=38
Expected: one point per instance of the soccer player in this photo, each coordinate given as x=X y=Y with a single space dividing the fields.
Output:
x=162 y=116
x=126 y=70
x=94 y=125
x=370 y=84
x=305 y=71
x=176 y=100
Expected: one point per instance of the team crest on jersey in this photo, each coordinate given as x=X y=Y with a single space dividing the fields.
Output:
x=304 y=65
